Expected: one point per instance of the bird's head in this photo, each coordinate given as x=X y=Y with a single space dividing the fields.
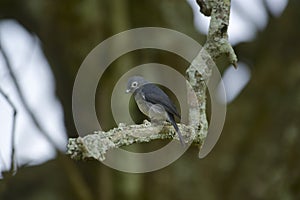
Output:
x=134 y=83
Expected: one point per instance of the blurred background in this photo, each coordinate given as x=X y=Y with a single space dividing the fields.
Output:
x=43 y=43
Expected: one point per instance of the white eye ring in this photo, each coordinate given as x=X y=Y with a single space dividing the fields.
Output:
x=134 y=84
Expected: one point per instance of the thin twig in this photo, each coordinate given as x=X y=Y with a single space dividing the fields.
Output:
x=13 y=162
x=3 y=164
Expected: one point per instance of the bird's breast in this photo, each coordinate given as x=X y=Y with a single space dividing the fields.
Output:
x=143 y=105
x=153 y=111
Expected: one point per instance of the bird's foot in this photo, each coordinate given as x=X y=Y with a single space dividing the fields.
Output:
x=157 y=122
x=146 y=123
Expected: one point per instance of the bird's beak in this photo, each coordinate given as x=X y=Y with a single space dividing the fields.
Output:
x=127 y=91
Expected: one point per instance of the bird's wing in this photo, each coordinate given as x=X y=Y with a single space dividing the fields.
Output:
x=155 y=95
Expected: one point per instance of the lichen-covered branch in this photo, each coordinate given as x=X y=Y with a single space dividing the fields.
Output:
x=217 y=39
x=97 y=144
x=201 y=68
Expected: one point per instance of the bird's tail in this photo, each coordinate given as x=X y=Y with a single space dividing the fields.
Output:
x=172 y=121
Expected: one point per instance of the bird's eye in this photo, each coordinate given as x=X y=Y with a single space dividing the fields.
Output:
x=134 y=84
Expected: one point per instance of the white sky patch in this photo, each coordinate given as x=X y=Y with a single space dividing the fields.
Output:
x=240 y=30
x=252 y=11
x=37 y=83
x=277 y=6
x=234 y=81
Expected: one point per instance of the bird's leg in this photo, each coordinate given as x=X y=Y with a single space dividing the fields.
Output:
x=157 y=122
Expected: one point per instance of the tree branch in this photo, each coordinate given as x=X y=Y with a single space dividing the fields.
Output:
x=217 y=43
x=97 y=144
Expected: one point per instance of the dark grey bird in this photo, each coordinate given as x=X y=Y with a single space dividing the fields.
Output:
x=153 y=102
